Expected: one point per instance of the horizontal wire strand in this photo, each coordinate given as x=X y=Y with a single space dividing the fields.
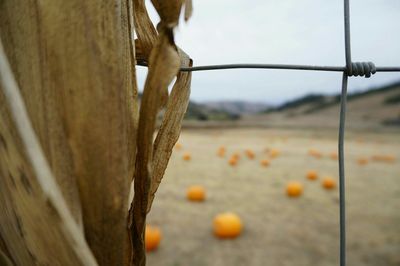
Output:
x=276 y=66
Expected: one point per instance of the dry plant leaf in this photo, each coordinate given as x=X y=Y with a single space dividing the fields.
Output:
x=164 y=64
x=145 y=30
x=147 y=37
x=23 y=39
x=188 y=9
x=152 y=158
x=73 y=63
x=31 y=202
x=169 y=11
x=171 y=125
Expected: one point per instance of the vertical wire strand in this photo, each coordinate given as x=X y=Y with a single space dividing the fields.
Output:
x=342 y=191
x=342 y=197
x=347 y=34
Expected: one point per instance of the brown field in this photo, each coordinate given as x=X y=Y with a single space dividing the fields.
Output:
x=279 y=230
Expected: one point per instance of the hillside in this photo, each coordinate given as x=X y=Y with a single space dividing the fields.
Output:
x=367 y=109
x=237 y=107
x=201 y=112
x=376 y=108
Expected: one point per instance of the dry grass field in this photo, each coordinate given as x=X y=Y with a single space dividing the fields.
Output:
x=279 y=230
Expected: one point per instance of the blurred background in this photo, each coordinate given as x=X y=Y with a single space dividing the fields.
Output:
x=281 y=126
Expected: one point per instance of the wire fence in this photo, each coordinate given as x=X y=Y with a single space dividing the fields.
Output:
x=362 y=69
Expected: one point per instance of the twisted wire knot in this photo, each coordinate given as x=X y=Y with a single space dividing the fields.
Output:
x=361 y=69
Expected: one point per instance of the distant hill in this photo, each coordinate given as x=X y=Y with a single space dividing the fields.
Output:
x=197 y=111
x=316 y=102
x=371 y=108
x=222 y=110
x=202 y=112
x=237 y=107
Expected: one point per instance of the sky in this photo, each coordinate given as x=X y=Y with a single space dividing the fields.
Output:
x=284 y=32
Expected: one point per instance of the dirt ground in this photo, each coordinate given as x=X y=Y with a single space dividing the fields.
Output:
x=279 y=230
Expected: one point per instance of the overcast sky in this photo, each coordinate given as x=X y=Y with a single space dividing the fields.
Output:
x=285 y=31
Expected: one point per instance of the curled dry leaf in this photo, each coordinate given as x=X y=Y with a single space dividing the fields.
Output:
x=164 y=64
x=188 y=9
x=144 y=28
x=171 y=125
x=164 y=60
x=169 y=11
x=147 y=37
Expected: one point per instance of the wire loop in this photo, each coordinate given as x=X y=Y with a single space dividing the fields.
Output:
x=361 y=69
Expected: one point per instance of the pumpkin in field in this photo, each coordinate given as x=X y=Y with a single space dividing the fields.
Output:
x=227 y=225
x=329 y=183
x=152 y=237
x=362 y=161
x=178 y=146
x=236 y=156
x=221 y=151
x=294 y=189
x=334 y=156
x=384 y=158
x=187 y=157
x=264 y=162
x=315 y=153
x=389 y=158
x=250 y=154
x=196 y=193
x=312 y=175
x=274 y=153
x=233 y=161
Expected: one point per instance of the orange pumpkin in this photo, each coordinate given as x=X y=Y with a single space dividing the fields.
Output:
x=236 y=156
x=196 y=193
x=362 y=161
x=329 y=183
x=334 y=156
x=389 y=158
x=384 y=158
x=152 y=237
x=250 y=154
x=274 y=153
x=264 y=162
x=294 y=189
x=178 y=146
x=227 y=225
x=187 y=157
x=221 y=151
x=233 y=161
x=315 y=153
x=312 y=175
